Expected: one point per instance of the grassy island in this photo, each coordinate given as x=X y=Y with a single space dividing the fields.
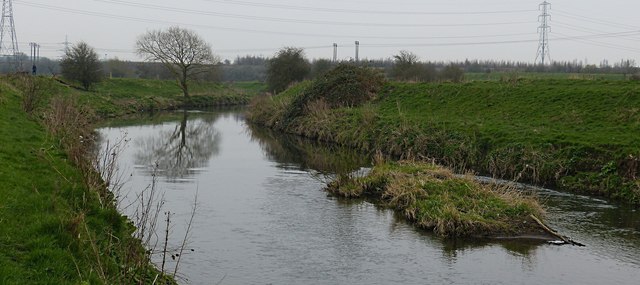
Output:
x=435 y=199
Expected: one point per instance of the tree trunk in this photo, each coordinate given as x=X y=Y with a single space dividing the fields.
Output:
x=183 y=83
x=185 y=89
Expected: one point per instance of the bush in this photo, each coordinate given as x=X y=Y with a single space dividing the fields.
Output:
x=408 y=68
x=32 y=93
x=71 y=124
x=346 y=85
x=81 y=64
x=287 y=67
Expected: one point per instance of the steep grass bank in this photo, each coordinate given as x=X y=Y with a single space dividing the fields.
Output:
x=577 y=135
x=434 y=199
x=58 y=225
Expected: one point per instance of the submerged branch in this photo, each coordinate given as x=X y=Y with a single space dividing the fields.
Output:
x=565 y=240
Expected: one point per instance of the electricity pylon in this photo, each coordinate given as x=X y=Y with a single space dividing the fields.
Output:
x=8 y=39
x=543 y=31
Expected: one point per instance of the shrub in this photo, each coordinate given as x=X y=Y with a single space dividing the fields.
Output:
x=346 y=85
x=288 y=66
x=70 y=123
x=408 y=68
x=81 y=64
x=32 y=93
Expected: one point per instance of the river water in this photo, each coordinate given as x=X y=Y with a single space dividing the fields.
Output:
x=262 y=217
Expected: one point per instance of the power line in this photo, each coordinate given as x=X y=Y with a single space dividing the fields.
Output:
x=596 y=21
x=601 y=44
x=265 y=49
x=297 y=21
x=256 y=31
x=352 y=11
x=631 y=36
x=585 y=37
x=448 y=44
x=593 y=21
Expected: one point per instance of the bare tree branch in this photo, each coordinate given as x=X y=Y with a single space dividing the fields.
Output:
x=182 y=51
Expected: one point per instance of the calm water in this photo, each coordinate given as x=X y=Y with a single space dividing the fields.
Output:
x=262 y=217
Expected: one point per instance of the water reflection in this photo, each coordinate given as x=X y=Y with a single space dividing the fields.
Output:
x=297 y=153
x=180 y=151
x=265 y=220
x=306 y=155
x=584 y=218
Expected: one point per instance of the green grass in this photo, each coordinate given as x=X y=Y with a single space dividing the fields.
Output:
x=510 y=76
x=594 y=113
x=434 y=199
x=53 y=227
x=119 y=96
x=41 y=195
x=578 y=135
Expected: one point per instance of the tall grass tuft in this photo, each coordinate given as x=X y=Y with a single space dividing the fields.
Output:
x=70 y=124
x=32 y=93
x=436 y=199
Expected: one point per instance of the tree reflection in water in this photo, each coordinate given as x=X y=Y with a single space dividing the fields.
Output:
x=180 y=152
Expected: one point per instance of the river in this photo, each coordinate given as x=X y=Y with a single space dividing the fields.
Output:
x=262 y=217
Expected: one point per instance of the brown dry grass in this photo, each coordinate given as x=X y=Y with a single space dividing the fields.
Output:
x=436 y=199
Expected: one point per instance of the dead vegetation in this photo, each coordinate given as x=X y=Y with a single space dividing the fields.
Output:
x=434 y=198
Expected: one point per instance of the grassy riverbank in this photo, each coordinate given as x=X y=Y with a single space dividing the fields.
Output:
x=53 y=228
x=577 y=135
x=116 y=97
x=58 y=223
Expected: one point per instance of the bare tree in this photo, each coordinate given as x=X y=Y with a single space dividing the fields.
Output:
x=406 y=57
x=182 y=51
x=407 y=67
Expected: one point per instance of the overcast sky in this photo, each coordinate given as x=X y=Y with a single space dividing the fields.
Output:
x=439 y=30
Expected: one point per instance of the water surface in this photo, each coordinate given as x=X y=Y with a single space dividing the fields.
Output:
x=262 y=217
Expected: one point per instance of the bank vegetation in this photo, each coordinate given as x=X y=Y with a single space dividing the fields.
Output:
x=59 y=221
x=571 y=134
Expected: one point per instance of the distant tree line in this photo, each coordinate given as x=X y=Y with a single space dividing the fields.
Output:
x=402 y=66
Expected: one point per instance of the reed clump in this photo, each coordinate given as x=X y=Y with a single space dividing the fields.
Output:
x=435 y=199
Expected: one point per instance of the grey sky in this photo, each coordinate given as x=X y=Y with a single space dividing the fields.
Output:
x=433 y=29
